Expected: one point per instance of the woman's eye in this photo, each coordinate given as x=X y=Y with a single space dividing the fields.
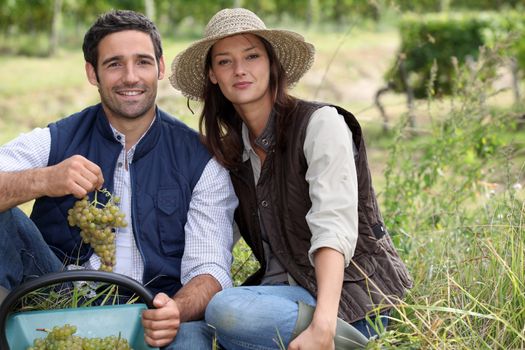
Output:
x=253 y=56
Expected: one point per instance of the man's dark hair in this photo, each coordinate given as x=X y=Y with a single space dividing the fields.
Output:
x=117 y=21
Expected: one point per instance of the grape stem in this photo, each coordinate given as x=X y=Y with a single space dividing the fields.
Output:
x=96 y=203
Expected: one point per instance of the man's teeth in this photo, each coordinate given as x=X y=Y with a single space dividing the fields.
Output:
x=130 y=93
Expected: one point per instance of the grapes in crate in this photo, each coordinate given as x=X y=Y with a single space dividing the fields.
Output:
x=63 y=338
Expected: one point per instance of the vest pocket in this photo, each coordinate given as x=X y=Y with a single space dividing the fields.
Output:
x=360 y=267
x=171 y=221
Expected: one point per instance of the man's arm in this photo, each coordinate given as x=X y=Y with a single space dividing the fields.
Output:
x=24 y=174
x=209 y=229
x=75 y=175
x=20 y=187
x=194 y=296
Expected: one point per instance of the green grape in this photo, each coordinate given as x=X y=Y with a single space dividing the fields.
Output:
x=97 y=222
x=63 y=338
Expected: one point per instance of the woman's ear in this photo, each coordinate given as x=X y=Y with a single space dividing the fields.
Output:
x=212 y=77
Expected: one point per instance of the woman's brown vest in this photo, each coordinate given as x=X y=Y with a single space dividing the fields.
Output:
x=376 y=275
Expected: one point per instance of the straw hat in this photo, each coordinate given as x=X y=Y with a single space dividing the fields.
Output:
x=295 y=55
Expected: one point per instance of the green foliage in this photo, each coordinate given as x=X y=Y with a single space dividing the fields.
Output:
x=433 y=40
x=462 y=143
x=25 y=16
x=434 y=45
x=18 y=17
x=244 y=263
x=510 y=29
x=451 y=199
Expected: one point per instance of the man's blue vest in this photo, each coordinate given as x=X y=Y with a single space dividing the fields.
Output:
x=167 y=164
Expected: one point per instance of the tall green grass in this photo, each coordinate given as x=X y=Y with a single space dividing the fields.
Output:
x=455 y=205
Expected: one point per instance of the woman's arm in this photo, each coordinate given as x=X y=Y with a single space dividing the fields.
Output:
x=332 y=219
x=329 y=270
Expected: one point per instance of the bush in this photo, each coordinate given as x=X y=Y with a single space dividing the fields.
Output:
x=433 y=40
x=434 y=45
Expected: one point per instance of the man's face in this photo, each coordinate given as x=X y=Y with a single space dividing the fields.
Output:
x=127 y=75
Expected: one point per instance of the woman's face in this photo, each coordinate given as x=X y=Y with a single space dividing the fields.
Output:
x=240 y=65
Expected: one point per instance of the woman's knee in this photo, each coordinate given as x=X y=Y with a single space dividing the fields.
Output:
x=230 y=309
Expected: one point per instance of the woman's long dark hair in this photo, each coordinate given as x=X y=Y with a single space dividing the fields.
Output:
x=220 y=124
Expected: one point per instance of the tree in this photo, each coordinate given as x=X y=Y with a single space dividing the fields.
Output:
x=55 y=27
x=149 y=6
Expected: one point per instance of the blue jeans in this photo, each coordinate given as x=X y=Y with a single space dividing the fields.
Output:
x=195 y=335
x=24 y=255
x=260 y=317
x=23 y=252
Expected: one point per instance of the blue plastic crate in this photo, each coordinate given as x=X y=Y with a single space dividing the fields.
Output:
x=96 y=321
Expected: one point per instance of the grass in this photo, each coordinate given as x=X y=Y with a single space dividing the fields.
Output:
x=449 y=189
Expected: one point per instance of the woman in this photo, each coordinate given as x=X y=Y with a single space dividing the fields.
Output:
x=306 y=208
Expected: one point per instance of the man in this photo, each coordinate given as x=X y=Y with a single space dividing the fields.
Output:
x=178 y=201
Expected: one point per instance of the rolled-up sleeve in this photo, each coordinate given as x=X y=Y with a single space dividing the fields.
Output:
x=27 y=151
x=209 y=229
x=332 y=179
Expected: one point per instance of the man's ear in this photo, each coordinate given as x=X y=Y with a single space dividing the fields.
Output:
x=91 y=74
x=162 y=67
x=212 y=77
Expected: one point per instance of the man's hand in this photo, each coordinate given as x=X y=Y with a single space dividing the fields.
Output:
x=161 y=324
x=75 y=175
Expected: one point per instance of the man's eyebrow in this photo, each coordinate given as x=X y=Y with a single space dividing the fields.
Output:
x=120 y=57
x=145 y=55
x=111 y=59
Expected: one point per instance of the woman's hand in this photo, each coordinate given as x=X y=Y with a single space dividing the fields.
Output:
x=318 y=336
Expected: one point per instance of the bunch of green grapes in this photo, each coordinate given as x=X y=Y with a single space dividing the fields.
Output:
x=97 y=222
x=63 y=338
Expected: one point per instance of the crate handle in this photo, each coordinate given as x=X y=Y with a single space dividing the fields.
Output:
x=67 y=276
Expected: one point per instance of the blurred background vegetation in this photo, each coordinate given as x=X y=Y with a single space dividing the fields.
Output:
x=64 y=22
x=436 y=85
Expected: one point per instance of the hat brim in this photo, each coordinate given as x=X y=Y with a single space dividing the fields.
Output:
x=187 y=69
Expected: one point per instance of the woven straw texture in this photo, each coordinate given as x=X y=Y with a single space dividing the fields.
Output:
x=295 y=55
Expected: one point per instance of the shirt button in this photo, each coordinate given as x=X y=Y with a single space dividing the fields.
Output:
x=119 y=137
x=264 y=204
x=119 y=164
x=265 y=142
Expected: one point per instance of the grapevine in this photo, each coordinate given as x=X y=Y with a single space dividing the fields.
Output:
x=63 y=338
x=97 y=222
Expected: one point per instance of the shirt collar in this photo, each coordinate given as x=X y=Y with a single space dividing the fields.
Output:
x=121 y=138
x=265 y=141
